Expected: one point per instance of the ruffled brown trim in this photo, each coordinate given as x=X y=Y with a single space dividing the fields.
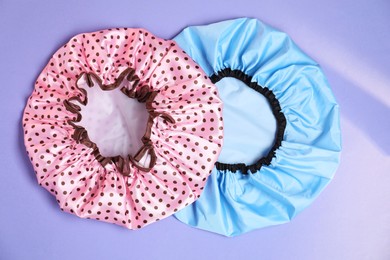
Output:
x=143 y=94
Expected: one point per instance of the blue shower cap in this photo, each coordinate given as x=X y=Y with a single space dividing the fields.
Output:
x=282 y=137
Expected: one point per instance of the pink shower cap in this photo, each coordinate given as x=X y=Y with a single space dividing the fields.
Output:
x=177 y=151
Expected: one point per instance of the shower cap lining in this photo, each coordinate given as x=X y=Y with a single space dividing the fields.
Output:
x=142 y=94
x=276 y=110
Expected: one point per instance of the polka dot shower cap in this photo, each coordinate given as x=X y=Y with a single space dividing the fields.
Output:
x=85 y=127
x=281 y=127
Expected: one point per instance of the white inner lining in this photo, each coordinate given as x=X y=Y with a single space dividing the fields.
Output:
x=249 y=124
x=115 y=122
x=145 y=160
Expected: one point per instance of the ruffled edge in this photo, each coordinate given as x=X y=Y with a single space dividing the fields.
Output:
x=143 y=94
x=85 y=174
x=276 y=110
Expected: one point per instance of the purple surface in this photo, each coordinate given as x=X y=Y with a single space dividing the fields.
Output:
x=350 y=220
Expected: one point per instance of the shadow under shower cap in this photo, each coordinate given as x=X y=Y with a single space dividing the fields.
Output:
x=176 y=153
x=281 y=127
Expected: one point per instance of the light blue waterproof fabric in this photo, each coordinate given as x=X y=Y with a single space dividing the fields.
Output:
x=245 y=123
x=232 y=202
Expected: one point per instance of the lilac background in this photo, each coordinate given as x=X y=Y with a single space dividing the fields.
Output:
x=350 y=220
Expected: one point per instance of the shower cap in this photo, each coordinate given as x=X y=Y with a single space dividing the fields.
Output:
x=281 y=127
x=79 y=106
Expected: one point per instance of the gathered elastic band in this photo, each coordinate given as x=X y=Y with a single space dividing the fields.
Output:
x=276 y=110
x=143 y=94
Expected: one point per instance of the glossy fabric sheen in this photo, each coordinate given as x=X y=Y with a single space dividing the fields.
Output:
x=235 y=203
x=185 y=130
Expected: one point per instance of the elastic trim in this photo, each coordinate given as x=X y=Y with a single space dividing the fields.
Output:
x=276 y=110
x=143 y=94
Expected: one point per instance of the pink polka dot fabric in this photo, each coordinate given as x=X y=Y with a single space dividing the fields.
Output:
x=183 y=136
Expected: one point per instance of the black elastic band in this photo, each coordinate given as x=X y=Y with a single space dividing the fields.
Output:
x=276 y=110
